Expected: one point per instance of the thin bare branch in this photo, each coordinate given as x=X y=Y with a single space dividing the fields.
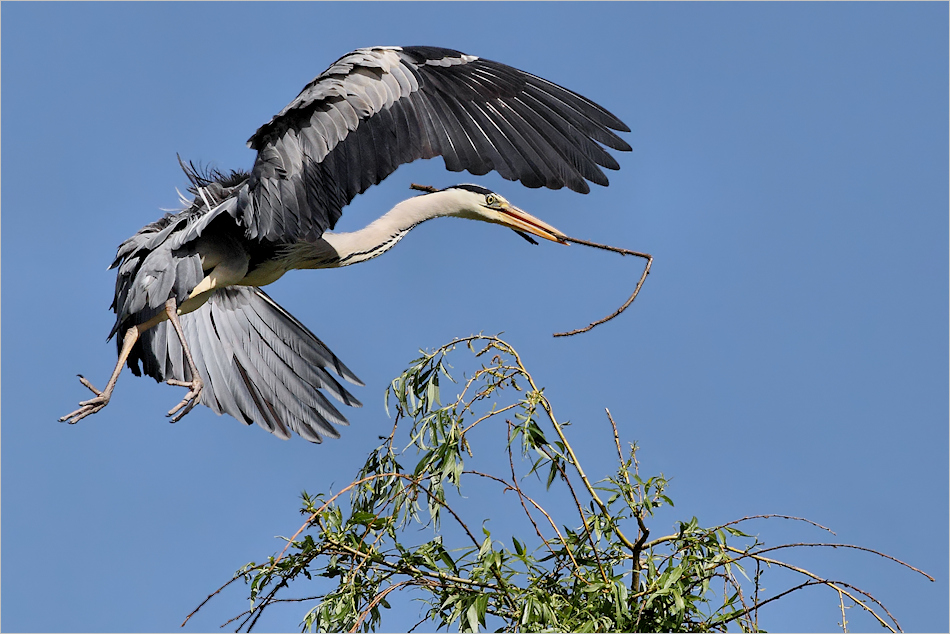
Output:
x=237 y=576
x=379 y=597
x=839 y=586
x=775 y=515
x=613 y=425
x=490 y=414
x=844 y=618
x=867 y=550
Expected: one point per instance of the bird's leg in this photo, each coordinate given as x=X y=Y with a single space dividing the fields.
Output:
x=101 y=399
x=196 y=384
x=131 y=336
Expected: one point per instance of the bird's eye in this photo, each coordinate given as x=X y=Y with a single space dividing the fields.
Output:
x=491 y=200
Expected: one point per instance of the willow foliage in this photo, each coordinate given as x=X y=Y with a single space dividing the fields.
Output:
x=583 y=562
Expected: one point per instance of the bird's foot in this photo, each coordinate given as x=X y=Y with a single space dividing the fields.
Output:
x=190 y=400
x=86 y=408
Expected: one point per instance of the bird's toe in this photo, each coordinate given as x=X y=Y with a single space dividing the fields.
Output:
x=188 y=403
x=86 y=408
x=89 y=385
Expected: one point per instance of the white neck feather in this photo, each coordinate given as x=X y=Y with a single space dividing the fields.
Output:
x=382 y=234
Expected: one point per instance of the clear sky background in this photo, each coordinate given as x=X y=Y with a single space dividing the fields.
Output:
x=787 y=355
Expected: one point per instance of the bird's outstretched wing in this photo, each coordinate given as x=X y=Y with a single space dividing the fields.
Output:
x=258 y=363
x=377 y=108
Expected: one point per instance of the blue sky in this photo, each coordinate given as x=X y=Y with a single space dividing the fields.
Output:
x=787 y=355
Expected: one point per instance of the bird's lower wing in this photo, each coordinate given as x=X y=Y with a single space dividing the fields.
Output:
x=258 y=362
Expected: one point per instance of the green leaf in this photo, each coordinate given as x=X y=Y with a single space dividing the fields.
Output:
x=552 y=474
x=471 y=616
x=486 y=546
x=448 y=560
x=432 y=389
x=519 y=548
x=678 y=601
x=482 y=604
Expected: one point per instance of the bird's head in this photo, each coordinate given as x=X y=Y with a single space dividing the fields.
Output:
x=479 y=203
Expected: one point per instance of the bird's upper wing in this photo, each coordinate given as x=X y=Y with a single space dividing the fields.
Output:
x=377 y=108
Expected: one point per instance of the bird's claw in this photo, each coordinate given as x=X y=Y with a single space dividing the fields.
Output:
x=188 y=403
x=87 y=408
x=86 y=382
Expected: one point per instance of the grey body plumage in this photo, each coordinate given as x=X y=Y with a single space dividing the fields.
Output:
x=371 y=111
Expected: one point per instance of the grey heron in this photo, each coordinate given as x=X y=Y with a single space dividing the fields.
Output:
x=188 y=304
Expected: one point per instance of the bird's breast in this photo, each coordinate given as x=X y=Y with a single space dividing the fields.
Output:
x=265 y=273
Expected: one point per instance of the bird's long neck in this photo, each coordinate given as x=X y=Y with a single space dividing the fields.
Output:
x=383 y=234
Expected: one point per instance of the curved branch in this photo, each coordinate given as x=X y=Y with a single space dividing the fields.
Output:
x=776 y=515
x=636 y=291
x=379 y=597
x=867 y=550
x=830 y=584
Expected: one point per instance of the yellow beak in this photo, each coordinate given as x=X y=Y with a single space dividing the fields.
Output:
x=522 y=221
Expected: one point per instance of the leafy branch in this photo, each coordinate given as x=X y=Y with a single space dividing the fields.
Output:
x=588 y=565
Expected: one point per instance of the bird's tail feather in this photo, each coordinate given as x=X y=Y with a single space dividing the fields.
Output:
x=258 y=363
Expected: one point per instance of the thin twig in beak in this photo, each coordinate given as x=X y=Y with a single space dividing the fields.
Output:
x=557 y=236
x=636 y=291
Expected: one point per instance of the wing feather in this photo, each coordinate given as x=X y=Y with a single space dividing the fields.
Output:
x=258 y=363
x=444 y=146
x=377 y=108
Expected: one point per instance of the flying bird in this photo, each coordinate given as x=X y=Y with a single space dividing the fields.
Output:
x=188 y=304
